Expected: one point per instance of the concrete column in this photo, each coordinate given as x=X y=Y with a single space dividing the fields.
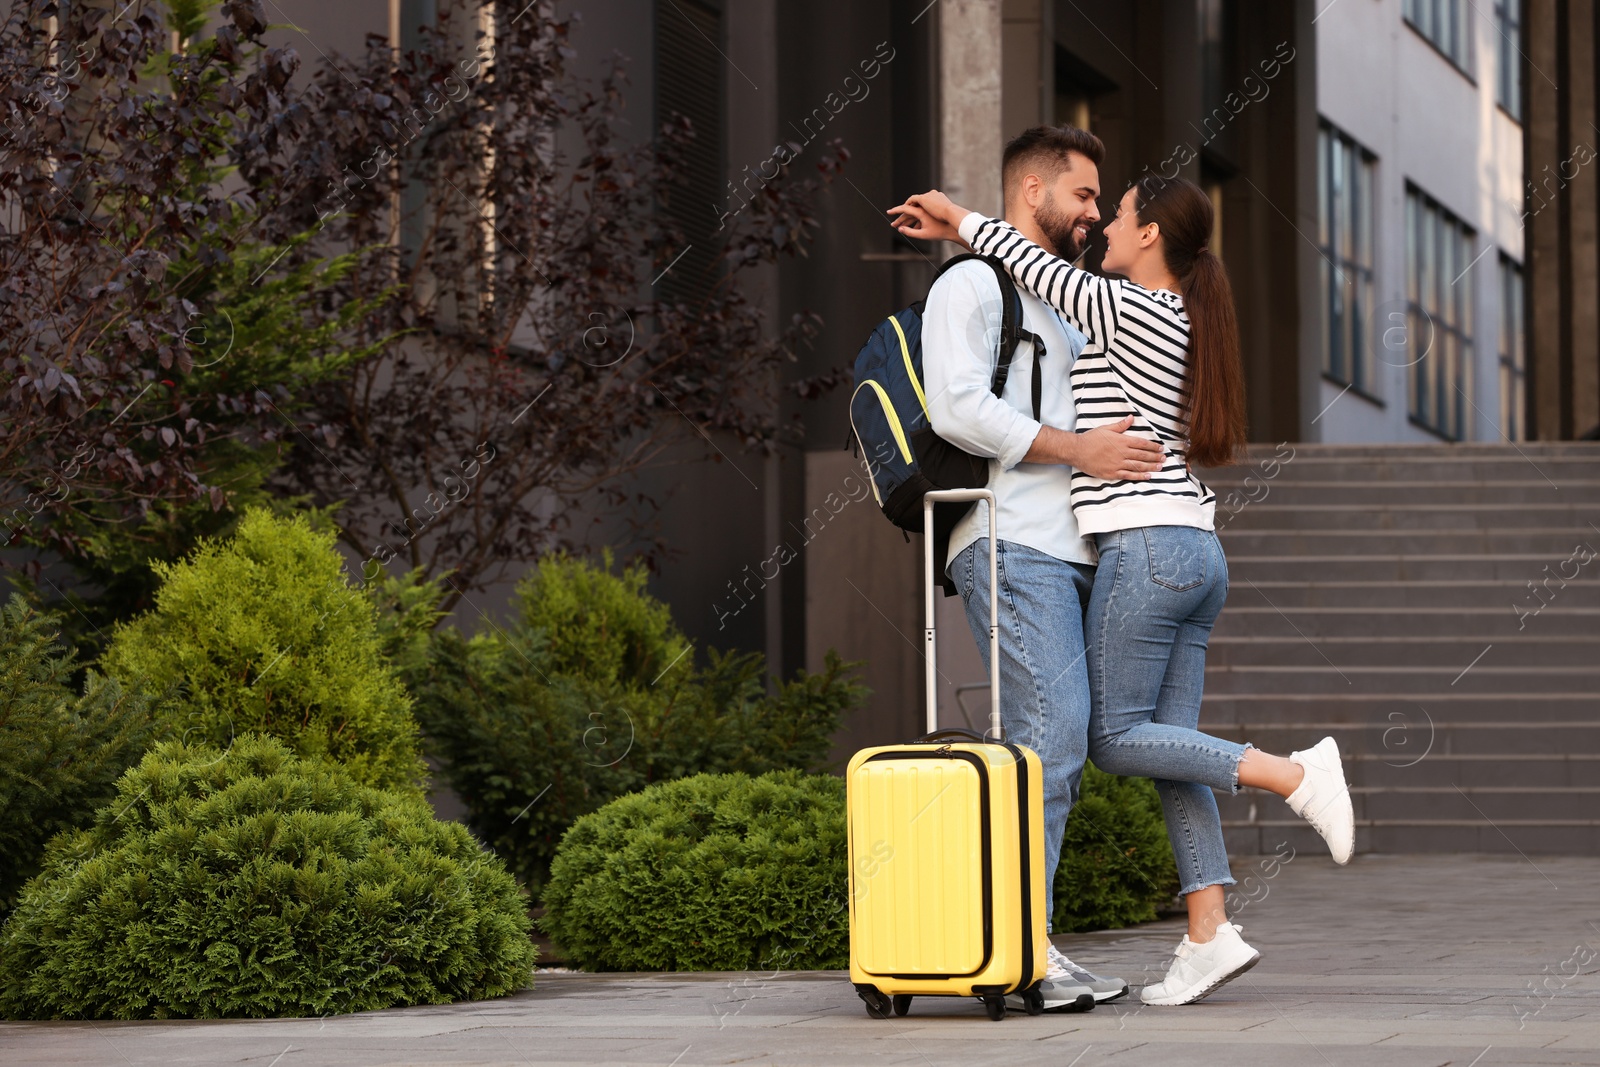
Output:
x=971 y=119
x=1026 y=81
x=1585 y=217
x=1542 y=244
x=752 y=35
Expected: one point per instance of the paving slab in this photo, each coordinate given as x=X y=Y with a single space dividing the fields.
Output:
x=1393 y=960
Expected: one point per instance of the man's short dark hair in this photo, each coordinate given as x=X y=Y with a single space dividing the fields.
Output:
x=1043 y=150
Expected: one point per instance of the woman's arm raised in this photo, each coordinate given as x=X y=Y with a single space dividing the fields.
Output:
x=1089 y=302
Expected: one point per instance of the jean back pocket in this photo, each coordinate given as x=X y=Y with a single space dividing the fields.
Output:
x=1179 y=555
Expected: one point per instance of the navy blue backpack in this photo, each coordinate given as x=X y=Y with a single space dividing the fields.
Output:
x=889 y=411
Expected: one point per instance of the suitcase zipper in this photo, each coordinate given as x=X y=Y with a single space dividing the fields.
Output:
x=1023 y=981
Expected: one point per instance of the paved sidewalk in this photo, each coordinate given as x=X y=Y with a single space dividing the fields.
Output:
x=1413 y=960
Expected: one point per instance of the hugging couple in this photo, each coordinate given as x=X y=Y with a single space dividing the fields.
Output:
x=1110 y=571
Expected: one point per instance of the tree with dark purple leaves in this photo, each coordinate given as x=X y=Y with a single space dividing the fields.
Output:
x=452 y=321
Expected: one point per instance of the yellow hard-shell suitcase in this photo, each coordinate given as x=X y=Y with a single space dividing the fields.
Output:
x=946 y=850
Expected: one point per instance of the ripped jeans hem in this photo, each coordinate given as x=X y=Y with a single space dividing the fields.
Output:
x=1247 y=747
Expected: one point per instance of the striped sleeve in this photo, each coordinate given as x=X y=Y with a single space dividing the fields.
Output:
x=1089 y=302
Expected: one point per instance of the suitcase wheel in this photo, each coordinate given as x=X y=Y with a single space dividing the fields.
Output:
x=902 y=1003
x=996 y=1005
x=878 y=1005
x=1033 y=1000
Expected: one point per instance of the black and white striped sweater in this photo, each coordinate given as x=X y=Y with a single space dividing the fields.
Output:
x=1133 y=365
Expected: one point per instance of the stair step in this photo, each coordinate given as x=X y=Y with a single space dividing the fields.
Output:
x=1561 y=470
x=1371 y=516
x=1549 y=571
x=1279 y=680
x=1356 y=562
x=1487 y=623
x=1379 y=710
x=1474 y=451
x=1400 y=736
x=1288 y=490
x=1374 y=650
x=1569 y=805
x=1423 y=767
x=1516 y=738
x=1554 y=543
x=1510 y=595
x=1543 y=838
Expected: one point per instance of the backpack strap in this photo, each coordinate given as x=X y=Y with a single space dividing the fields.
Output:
x=1038 y=361
x=1011 y=331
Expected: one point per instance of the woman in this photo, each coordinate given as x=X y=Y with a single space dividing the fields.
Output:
x=1163 y=346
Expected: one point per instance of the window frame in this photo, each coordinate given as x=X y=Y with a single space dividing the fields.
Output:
x=1348 y=258
x=1439 y=311
x=1508 y=50
x=1513 y=354
x=1423 y=15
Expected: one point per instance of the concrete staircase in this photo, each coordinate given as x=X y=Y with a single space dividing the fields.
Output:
x=1437 y=610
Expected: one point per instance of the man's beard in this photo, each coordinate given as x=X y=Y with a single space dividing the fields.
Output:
x=1054 y=224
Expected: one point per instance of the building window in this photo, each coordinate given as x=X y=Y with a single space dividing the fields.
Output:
x=1345 y=239
x=1439 y=298
x=1508 y=69
x=1446 y=26
x=1513 y=353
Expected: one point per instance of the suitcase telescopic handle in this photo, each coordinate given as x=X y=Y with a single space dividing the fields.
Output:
x=957 y=496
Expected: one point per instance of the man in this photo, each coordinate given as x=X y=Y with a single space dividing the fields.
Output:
x=1051 y=180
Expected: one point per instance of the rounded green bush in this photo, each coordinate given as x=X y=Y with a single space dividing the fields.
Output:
x=265 y=635
x=590 y=692
x=254 y=883
x=716 y=872
x=1116 y=863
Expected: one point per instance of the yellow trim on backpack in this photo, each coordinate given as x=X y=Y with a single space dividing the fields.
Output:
x=911 y=372
x=888 y=409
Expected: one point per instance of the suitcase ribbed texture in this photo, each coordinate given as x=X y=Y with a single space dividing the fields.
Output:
x=918 y=843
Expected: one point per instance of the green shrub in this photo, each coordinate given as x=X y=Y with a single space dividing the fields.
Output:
x=251 y=882
x=61 y=752
x=265 y=635
x=1116 y=863
x=407 y=611
x=591 y=693
x=716 y=872
x=602 y=626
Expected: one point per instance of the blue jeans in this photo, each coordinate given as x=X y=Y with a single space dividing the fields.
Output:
x=1156 y=595
x=1044 y=687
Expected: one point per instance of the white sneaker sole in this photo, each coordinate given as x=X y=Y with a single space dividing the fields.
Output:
x=1203 y=991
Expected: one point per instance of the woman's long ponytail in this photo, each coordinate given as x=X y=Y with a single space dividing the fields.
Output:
x=1213 y=388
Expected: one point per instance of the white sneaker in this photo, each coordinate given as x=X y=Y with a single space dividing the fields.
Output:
x=1323 y=799
x=1063 y=969
x=1198 y=970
